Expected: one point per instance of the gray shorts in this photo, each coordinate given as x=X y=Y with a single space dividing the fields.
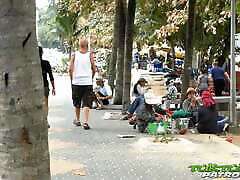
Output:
x=46 y=92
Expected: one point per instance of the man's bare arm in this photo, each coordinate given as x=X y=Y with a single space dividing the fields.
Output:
x=71 y=68
x=227 y=76
x=94 y=69
x=53 y=88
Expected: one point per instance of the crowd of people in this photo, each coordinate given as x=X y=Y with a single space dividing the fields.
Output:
x=199 y=99
x=142 y=110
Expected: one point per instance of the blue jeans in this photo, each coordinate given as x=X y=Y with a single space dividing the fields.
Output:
x=136 y=103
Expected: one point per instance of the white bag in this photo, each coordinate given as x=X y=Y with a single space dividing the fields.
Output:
x=160 y=130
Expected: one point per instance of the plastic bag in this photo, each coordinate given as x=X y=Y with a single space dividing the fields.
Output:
x=160 y=130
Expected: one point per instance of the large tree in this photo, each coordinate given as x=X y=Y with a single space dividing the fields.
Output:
x=189 y=44
x=112 y=64
x=120 y=4
x=128 y=53
x=23 y=131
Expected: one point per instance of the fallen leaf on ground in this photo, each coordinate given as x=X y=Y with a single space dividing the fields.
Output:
x=80 y=173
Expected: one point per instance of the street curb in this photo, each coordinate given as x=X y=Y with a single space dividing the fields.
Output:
x=113 y=107
x=234 y=130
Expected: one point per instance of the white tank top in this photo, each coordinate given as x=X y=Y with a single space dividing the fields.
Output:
x=82 y=72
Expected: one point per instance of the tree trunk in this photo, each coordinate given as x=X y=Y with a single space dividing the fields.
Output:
x=189 y=45
x=70 y=53
x=70 y=49
x=172 y=45
x=24 y=133
x=128 y=53
x=120 y=52
x=112 y=66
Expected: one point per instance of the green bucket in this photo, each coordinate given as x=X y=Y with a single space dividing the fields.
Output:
x=152 y=128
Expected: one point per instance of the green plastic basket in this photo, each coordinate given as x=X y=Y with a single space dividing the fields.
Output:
x=152 y=128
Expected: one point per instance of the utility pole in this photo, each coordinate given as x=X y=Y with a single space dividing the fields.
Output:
x=233 y=115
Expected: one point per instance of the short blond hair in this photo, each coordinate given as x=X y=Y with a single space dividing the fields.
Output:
x=83 y=43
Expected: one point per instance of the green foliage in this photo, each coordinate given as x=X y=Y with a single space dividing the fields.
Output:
x=152 y=15
x=66 y=19
x=65 y=62
x=85 y=18
x=99 y=25
x=156 y=20
x=47 y=28
x=167 y=20
x=64 y=68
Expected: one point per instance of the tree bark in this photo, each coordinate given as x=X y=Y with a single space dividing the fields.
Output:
x=24 y=133
x=189 y=45
x=112 y=67
x=128 y=53
x=70 y=53
x=172 y=45
x=120 y=52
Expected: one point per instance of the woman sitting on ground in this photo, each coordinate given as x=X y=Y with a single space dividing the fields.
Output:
x=191 y=105
x=139 y=90
x=207 y=114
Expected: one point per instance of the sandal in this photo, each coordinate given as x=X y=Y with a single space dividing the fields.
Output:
x=77 y=123
x=99 y=108
x=86 y=126
x=126 y=117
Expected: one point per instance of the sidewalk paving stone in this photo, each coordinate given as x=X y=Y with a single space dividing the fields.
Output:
x=102 y=155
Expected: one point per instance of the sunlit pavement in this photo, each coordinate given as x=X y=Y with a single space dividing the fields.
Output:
x=100 y=154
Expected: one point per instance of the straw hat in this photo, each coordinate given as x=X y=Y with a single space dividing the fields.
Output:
x=190 y=90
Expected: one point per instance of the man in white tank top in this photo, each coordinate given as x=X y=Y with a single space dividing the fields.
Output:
x=82 y=70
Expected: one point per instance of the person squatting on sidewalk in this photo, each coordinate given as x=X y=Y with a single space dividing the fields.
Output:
x=82 y=70
x=103 y=93
x=46 y=70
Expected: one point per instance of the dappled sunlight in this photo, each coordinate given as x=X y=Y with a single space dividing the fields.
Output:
x=55 y=130
x=64 y=166
x=58 y=144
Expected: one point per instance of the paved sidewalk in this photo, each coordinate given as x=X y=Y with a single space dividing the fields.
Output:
x=102 y=155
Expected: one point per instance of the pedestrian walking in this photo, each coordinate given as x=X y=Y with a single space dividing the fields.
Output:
x=202 y=81
x=82 y=70
x=46 y=71
x=218 y=77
